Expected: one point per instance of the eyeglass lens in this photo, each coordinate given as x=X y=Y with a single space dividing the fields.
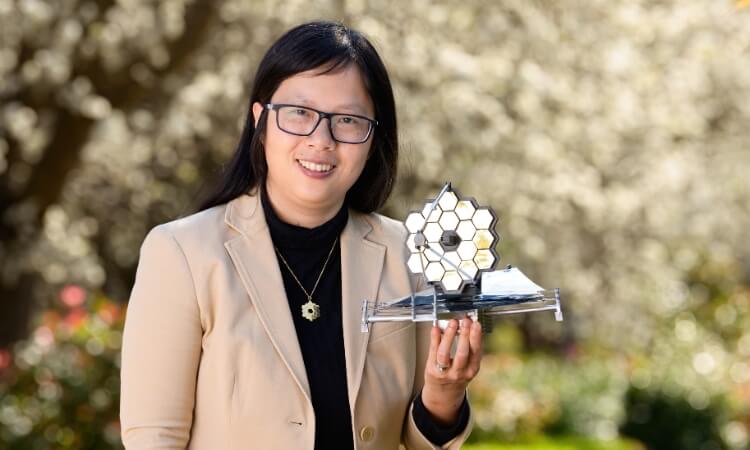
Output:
x=303 y=121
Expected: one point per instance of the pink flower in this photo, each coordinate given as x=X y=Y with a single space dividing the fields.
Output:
x=75 y=318
x=108 y=312
x=72 y=295
x=5 y=359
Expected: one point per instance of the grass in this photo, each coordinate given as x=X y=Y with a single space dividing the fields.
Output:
x=560 y=443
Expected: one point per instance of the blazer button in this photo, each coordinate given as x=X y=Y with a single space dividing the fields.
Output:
x=366 y=433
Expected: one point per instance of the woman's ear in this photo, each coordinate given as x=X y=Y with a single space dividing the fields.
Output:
x=257 y=111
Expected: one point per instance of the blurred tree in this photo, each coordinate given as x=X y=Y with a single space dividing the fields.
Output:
x=611 y=138
x=67 y=79
x=594 y=143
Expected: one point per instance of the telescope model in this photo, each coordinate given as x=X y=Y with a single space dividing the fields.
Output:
x=451 y=243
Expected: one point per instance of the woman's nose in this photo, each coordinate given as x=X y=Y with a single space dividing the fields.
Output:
x=321 y=136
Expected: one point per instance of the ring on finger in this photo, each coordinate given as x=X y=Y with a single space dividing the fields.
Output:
x=442 y=367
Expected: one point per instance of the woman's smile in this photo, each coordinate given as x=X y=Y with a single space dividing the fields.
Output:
x=315 y=169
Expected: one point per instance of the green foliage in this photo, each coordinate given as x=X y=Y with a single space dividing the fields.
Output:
x=61 y=389
x=557 y=443
x=516 y=397
x=666 y=422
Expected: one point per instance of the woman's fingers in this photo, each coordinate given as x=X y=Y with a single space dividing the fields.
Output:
x=468 y=352
x=463 y=348
x=445 y=383
x=435 y=337
x=475 y=342
x=444 y=349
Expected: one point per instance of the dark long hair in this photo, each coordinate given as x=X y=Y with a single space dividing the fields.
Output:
x=329 y=46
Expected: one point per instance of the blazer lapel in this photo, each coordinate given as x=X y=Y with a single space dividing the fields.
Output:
x=361 y=267
x=254 y=258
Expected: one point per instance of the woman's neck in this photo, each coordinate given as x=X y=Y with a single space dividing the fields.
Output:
x=299 y=215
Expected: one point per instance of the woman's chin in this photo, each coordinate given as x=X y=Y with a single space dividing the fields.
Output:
x=319 y=200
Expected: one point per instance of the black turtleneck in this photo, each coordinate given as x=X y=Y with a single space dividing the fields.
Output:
x=322 y=341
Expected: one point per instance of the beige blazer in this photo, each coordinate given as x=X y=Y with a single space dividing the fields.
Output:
x=210 y=358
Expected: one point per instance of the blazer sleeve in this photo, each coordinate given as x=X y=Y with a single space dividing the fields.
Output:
x=412 y=437
x=161 y=348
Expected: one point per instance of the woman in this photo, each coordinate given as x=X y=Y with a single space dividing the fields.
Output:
x=243 y=328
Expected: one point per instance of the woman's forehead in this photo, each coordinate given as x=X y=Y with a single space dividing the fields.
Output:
x=337 y=90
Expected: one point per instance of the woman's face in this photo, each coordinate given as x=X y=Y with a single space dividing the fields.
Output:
x=313 y=173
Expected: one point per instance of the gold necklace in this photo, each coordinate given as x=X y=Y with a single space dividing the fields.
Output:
x=310 y=310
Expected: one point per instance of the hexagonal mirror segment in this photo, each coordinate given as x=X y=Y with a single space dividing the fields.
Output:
x=482 y=219
x=434 y=271
x=483 y=239
x=433 y=232
x=450 y=261
x=452 y=281
x=466 y=250
x=448 y=201
x=448 y=221
x=469 y=268
x=433 y=253
x=465 y=209
x=465 y=230
x=434 y=215
x=414 y=263
x=484 y=259
x=414 y=222
x=453 y=258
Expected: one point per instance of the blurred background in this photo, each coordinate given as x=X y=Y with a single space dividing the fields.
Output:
x=612 y=138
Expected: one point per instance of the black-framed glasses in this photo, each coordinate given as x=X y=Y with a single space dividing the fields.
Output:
x=302 y=121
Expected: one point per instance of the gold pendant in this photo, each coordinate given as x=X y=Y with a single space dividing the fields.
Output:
x=310 y=310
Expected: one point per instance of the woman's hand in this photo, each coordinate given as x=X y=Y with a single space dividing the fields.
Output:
x=445 y=379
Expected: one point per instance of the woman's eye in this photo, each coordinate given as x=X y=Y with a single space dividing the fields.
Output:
x=348 y=120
